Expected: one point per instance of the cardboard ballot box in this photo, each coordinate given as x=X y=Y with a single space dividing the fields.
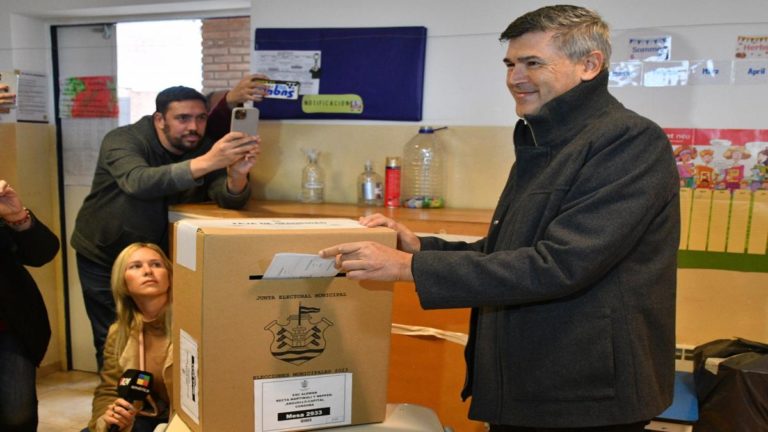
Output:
x=265 y=337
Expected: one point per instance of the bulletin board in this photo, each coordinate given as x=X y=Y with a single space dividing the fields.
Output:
x=374 y=73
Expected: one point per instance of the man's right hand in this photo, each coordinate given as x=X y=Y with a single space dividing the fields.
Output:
x=233 y=147
x=407 y=241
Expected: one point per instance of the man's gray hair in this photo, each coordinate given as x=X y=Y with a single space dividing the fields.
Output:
x=578 y=31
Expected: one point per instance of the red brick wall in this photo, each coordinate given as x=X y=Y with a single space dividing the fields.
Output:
x=226 y=52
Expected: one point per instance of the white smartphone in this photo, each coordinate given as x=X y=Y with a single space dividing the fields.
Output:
x=245 y=120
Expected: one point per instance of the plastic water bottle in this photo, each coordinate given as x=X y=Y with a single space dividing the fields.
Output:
x=312 y=179
x=423 y=165
x=370 y=187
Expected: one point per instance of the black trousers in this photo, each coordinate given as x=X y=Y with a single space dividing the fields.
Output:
x=632 y=427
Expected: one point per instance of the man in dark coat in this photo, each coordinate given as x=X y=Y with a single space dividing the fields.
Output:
x=573 y=289
x=24 y=327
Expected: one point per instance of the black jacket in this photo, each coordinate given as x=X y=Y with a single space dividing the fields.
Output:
x=21 y=304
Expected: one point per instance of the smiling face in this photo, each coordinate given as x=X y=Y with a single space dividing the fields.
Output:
x=538 y=71
x=146 y=275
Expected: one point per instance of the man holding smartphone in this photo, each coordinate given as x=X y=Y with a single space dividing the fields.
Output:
x=163 y=159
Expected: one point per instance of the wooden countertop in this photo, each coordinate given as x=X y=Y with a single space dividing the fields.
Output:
x=440 y=221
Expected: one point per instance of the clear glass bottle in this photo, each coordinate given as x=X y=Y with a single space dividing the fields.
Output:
x=370 y=187
x=312 y=178
x=423 y=165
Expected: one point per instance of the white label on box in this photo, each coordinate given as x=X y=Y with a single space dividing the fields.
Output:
x=189 y=365
x=302 y=403
x=186 y=249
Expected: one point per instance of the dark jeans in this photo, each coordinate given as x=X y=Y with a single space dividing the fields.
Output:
x=99 y=303
x=631 y=427
x=18 y=395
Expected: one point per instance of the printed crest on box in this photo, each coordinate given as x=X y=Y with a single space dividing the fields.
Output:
x=301 y=339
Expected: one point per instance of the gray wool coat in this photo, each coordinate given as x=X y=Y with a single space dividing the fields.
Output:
x=573 y=289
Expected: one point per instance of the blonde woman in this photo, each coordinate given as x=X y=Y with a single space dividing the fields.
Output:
x=139 y=339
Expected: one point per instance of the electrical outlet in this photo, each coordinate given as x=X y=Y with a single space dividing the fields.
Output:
x=684 y=357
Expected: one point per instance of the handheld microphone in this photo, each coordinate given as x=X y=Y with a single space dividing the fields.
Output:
x=134 y=385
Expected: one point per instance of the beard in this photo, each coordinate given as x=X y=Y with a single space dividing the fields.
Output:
x=179 y=143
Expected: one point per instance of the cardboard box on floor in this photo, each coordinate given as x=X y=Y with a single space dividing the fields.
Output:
x=252 y=353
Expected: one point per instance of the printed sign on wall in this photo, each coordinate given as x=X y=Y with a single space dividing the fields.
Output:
x=657 y=48
x=88 y=97
x=751 y=47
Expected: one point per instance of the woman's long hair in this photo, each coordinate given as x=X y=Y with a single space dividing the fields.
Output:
x=129 y=317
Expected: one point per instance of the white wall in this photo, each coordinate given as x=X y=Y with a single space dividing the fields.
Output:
x=701 y=106
x=464 y=83
x=25 y=24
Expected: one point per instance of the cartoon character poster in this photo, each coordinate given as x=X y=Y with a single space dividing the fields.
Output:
x=721 y=159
